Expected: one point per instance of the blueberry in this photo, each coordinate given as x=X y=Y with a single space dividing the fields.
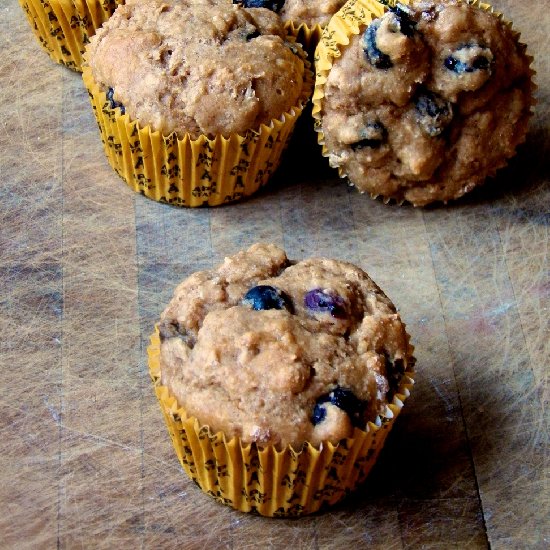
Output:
x=114 y=104
x=399 y=18
x=273 y=5
x=343 y=399
x=374 y=55
x=263 y=297
x=433 y=113
x=319 y=413
x=402 y=19
x=468 y=59
x=373 y=135
x=254 y=34
x=325 y=302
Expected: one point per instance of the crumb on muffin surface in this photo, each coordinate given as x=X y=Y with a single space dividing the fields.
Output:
x=282 y=353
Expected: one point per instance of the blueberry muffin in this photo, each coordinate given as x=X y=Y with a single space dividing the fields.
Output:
x=428 y=99
x=280 y=353
x=197 y=67
x=279 y=381
x=195 y=99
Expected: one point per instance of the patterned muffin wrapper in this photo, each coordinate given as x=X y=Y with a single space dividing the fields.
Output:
x=307 y=36
x=352 y=19
x=267 y=481
x=192 y=172
x=64 y=27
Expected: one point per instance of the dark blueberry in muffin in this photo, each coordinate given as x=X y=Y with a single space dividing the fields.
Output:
x=374 y=55
x=468 y=59
x=114 y=104
x=273 y=5
x=343 y=399
x=251 y=35
x=433 y=113
x=399 y=21
x=373 y=135
x=323 y=301
x=263 y=297
x=402 y=20
x=319 y=412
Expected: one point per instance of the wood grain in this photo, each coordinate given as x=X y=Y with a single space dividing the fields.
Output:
x=87 y=265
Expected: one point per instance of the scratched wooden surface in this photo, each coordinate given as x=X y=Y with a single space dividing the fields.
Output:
x=86 y=267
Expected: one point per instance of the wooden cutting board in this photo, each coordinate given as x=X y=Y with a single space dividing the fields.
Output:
x=87 y=265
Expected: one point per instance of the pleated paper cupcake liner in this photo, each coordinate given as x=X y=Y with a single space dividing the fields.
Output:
x=268 y=481
x=352 y=19
x=307 y=36
x=192 y=172
x=64 y=27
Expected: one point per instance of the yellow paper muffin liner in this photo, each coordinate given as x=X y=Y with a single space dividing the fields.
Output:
x=192 y=172
x=271 y=482
x=64 y=27
x=307 y=36
x=352 y=19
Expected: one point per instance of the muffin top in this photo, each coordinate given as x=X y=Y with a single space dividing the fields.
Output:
x=282 y=353
x=427 y=101
x=308 y=12
x=197 y=66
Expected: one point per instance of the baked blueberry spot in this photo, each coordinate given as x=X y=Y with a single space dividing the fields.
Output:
x=345 y=400
x=319 y=413
x=323 y=301
x=373 y=135
x=403 y=20
x=114 y=104
x=399 y=20
x=433 y=113
x=273 y=5
x=264 y=297
x=375 y=57
x=468 y=59
x=252 y=35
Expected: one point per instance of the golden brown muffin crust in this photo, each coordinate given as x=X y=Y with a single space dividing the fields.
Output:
x=427 y=102
x=310 y=12
x=265 y=374
x=197 y=66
